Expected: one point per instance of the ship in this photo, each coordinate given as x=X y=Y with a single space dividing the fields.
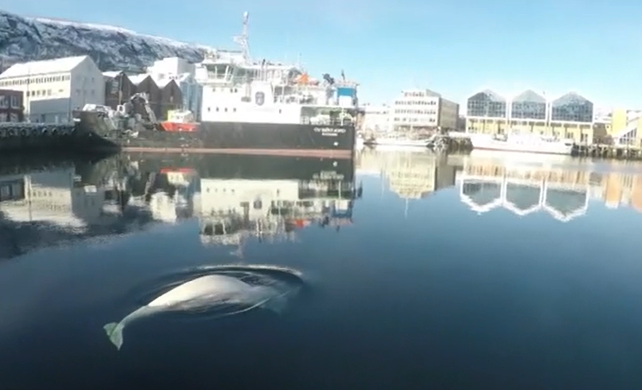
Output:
x=523 y=143
x=248 y=106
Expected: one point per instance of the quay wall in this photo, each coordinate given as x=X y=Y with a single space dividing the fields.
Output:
x=50 y=137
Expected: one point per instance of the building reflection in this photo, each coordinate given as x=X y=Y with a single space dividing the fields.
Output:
x=409 y=174
x=233 y=197
x=563 y=192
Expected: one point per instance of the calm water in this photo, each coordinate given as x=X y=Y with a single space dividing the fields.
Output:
x=482 y=272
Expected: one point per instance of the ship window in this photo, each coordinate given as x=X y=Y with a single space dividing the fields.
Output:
x=259 y=98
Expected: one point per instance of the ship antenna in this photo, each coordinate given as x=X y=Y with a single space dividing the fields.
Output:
x=242 y=39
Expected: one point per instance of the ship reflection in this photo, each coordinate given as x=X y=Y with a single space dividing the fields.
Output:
x=232 y=197
x=275 y=206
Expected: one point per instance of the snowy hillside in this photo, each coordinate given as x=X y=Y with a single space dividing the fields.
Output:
x=25 y=39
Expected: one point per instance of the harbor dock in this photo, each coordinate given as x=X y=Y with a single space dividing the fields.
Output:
x=460 y=142
x=21 y=136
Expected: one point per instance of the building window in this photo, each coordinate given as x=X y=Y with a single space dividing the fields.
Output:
x=15 y=102
x=13 y=117
x=4 y=101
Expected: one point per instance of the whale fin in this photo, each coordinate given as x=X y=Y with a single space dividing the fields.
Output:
x=115 y=333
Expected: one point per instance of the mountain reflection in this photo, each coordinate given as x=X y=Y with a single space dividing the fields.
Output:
x=231 y=196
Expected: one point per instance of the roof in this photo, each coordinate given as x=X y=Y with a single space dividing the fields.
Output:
x=162 y=82
x=138 y=78
x=112 y=74
x=58 y=65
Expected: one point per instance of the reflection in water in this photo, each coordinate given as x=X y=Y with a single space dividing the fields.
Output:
x=233 y=197
x=562 y=191
x=510 y=181
x=219 y=291
x=410 y=174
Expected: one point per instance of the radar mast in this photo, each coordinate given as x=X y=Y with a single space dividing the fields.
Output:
x=242 y=40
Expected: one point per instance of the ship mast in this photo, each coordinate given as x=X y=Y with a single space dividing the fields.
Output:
x=242 y=39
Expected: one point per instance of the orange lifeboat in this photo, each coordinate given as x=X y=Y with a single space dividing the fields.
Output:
x=179 y=121
x=178 y=126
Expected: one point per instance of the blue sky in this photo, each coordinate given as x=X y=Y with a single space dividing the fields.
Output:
x=457 y=48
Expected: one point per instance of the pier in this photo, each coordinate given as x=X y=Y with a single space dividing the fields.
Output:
x=614 y=152
x=460 y=142
x=21 y=136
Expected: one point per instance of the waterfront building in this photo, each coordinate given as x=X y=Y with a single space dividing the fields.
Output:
x=376 y=118
x=171 y=97
x=625 y=127
x=183 y=73
x=52 y=89
x=11 y=106
x=145 y=83
x=424 y=109
x=569 y=116
x=118 y=88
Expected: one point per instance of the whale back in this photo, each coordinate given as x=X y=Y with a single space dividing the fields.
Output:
x=213 y=286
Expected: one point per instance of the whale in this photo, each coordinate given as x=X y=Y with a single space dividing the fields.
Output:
x=201 y=293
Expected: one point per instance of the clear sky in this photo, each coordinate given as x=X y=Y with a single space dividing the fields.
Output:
x=593 y=47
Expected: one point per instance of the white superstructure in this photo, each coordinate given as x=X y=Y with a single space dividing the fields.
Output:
x=525 y=143
x=423 y=108
x=54 y=88
x=239 y=89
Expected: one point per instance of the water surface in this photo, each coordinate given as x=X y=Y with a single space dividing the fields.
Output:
x=422 y=272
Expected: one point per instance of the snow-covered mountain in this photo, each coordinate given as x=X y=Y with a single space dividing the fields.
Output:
x=113 y=48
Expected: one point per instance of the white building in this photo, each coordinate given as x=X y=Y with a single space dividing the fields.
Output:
x=174 y=68
x=377 y=118
x=423 y=108
x=54 y=88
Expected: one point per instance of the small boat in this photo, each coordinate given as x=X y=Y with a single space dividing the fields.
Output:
x=402 y=140
x=179 y=120
x=524 y=143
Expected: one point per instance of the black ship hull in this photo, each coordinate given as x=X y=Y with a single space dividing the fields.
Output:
x=228 y=137
x=248 y=167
